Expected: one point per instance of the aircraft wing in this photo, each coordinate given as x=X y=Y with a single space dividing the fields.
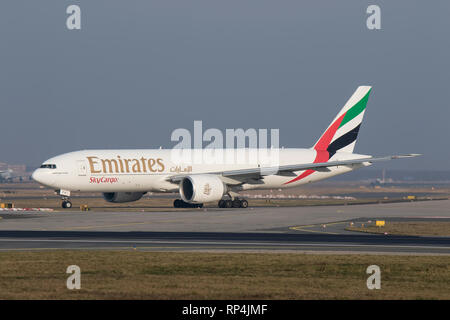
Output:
x=252 y=175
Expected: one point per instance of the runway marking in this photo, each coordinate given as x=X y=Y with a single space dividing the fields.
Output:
x=92 y=248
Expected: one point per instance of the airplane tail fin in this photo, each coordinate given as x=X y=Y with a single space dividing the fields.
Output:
x=341 y=134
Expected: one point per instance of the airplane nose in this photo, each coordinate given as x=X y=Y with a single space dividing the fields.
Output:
x=37 y=175
x=34 y=175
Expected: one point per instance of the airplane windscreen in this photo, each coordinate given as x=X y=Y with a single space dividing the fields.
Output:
x=48 y=166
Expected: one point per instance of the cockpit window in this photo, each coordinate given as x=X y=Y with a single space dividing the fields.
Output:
x=48 y=166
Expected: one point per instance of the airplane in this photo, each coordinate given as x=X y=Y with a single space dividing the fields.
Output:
x=8 y=176
x=126 y=175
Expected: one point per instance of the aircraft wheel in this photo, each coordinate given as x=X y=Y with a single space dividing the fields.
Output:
x=185 y=204
x=177 y=203
x=66 y=204
x=244 y=203
x=221 y=204
x=236 y=203
x=228 y=203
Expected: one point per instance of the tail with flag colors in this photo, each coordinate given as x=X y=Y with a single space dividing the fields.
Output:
x=341 y=134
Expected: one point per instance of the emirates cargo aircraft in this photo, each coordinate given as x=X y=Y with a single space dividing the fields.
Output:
x=126 y=175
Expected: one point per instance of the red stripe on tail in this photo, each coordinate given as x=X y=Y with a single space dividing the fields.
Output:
x=321 y=146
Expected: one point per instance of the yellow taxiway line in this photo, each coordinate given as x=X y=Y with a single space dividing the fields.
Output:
x=303 y=228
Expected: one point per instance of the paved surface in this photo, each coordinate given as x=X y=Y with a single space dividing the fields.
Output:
x=218 y=220
x=288 y=228
x=180 y=241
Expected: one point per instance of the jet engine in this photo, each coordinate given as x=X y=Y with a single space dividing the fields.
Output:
x=119 y=197
x=202 y=188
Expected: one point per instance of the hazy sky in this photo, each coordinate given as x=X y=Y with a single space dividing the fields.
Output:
x=137 y=70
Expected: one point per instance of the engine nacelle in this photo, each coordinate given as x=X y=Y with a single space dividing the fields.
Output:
x=202 y=188
x=119 y=197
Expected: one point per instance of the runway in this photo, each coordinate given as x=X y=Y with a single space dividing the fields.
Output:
x=298 y=229
x=182 y=241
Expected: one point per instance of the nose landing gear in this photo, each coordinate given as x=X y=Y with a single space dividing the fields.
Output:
x=65 y=194
x=66 y=204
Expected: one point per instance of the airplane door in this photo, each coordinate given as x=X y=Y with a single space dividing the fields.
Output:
x=82 y=169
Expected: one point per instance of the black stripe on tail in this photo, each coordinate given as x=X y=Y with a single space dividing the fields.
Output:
x=343 y=141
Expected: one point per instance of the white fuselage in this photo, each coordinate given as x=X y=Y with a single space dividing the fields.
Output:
x=149 y=170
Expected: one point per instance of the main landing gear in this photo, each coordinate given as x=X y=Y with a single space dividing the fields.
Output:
x=228 y=203
x=178 y=203
x=236 y=203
